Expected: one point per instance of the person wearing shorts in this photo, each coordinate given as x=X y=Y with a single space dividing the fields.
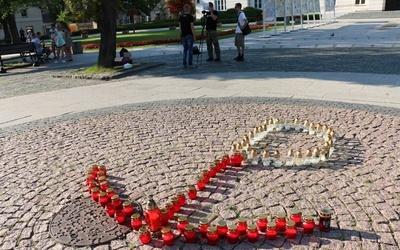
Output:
x=59 y=40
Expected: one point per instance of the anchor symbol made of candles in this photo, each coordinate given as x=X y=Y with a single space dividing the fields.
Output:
x=156 y=219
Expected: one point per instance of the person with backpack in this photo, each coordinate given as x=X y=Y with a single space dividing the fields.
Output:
x=239 y=36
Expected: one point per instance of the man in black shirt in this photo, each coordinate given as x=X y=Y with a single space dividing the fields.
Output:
x=211 y=17
x=186 y=26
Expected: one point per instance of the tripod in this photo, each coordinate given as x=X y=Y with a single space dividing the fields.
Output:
x=201 y=42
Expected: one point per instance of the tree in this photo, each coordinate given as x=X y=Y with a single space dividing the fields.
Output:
x=176 y=6
x=108 y=34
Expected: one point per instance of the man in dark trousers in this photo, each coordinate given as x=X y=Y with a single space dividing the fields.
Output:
x=186 y=27
x=22 y=35
x=211 y=17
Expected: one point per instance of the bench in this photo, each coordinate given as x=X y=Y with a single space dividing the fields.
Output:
x=23 y=49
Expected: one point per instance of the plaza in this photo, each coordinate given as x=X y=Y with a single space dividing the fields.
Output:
x=157 y=129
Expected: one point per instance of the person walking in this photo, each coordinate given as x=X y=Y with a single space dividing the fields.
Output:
x=239 y=37
x=186 y=27
x=211 y=17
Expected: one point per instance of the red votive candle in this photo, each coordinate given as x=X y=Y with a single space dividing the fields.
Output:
x=201 y=184
x=262 y=222
x=291 y=230
x=271 y=231
x=252 y=233
x=95 y=194
x=236 y=159
x=92 y=185
x=116 y=201
x=110 y=210
x=127 y=208
x=192 y=192
x=144 y=235
x=89 y=179
x=212 y=236
x=136 y=221
x=171 y=211
x=181 y=199
x=104 y=169
x=175 y=202
x=164 y=216
x=232 y=235
x=103 y=199
x=206 y=176
x=308 y=224
x=104 y=186
x=120 y=216
x=280 y=222
x=189 y=234
x=222 y=229
x=212 y=171
x=242 y=225
x=296 y=217
x=110 y=192
x=167 y=236
x=182 y=222
x=204 y=224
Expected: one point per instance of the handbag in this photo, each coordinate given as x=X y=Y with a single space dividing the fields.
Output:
x=246 y=30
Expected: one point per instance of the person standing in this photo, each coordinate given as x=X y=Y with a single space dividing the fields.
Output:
x=186 y=27
x=22 y=35
x=29 y=36
x=68 y=42
x=52 y=33
x=239 y=37
x=211 y=33
x=59 y=40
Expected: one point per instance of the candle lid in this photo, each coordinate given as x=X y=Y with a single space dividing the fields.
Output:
x=270 y=121
x=316 y=152
x=95 y=167
x=306 y=123
x=312 y=126
x=102 y=194
x=295 y=211
x=164 y=210
x=308 y=153
x=203 y=221
x=165 y=230
x=168 y=204
x=256 y=130
x=277 y=154
x=189 y=227
x=261 y=128
x=308 y=218
x=103 y=183
x=182 y=218
x=290 y=153
x=115 y=197
x=265 y=154
x=319 y=126
x=290 y=224
x=262 y=216
x=102 y=178
x=212 y=229
x=325 y=128
x=251 y=227
x=221 y=223
x=299 y=154
x=239 y=146
x=265 y=127
x=95 y=190
x=143 y=229
x=277 y=121
x=191 y=187
x=232 y=227
x=281 y=216
x=296 y=121
x=242 y=220
x=251 y=134
x=110 y=190
x=135 y=216
x=233 y=148
x=271 y=225
x=253 y=153
x=325 y=212
x=248 y=148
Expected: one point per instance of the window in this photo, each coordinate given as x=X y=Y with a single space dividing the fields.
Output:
x=220 y=5
x=360 y=1
x=258 y=4
x=24 y=13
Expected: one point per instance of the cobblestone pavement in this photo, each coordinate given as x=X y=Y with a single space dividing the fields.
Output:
x=158 y=148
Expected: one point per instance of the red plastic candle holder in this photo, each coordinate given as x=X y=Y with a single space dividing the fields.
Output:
x=127 y=208
x=308 y=224
x=262 y=222
x=271 y=232
x=136 y=221
x=222 y=229
x=144 y=235
x=120 y=216
x=201 y=184
x=291 y=230
x=110 y=192
x=92 y=185
x=175 y=202
x=116 y=201
x=296 y=217
x=206 y=176
x=280 y=222
x=103 y=199
x=164 y=216
x=171 y=211
x=236 y=159
x=232 y=235
x=189 y=234
x=103 y=169
x=182 y=223
x=212 y=171
x=167 y=236
x=104 y=186
x=181 y=199
x=204 y=224
x=95 y=194
x=242 y=226
x=89 y=179
x=325 y=220
x=110 y=210
x=212 y=236
x=192 y=192
x=252 y=233
x=152 y=216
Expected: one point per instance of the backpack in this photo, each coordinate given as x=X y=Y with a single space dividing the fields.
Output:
x=196 y=50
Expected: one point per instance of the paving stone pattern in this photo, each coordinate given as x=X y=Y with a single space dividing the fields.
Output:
x=158 y=148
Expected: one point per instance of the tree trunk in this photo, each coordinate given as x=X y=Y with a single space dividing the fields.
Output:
x=12 y=28
x=108 y=34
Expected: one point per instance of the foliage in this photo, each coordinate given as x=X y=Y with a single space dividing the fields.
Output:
x=252 y=12
x=228 y=14
x=176 y=6
x=142 y=6
x=83 y=10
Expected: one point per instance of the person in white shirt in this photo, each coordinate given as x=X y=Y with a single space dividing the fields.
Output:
x=39 y=45
x=52 y=33
x=239 y=37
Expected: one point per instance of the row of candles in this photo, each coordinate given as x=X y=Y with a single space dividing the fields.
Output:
x=156 y=219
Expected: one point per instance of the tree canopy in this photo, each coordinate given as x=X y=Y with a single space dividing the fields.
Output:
x=176 y=6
